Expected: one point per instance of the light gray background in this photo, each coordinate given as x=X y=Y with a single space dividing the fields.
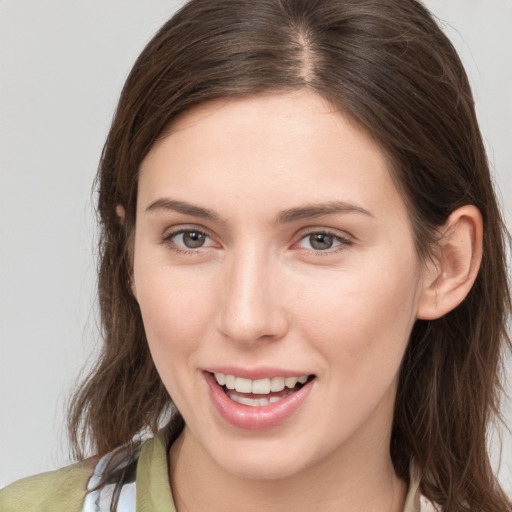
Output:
x=62 y=66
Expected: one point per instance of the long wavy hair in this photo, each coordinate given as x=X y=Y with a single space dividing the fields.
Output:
x=387 y=64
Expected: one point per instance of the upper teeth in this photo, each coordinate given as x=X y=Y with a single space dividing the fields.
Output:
x=258 y=386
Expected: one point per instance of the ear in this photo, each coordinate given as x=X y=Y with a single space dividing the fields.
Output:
x=451 y=274
x=120 y=212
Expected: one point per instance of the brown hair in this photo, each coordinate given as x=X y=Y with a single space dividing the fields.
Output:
x=388 y=65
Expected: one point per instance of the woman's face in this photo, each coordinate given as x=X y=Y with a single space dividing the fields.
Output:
x=272 y=244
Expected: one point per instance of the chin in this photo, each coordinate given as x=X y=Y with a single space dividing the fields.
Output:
x=265 y=459
x=262 y=469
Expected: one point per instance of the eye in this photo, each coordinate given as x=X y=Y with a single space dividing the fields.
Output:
x=186 y=240
x=323 y=241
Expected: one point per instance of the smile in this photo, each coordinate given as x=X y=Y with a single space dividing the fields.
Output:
x=240 y=389
x=258 y=386
x=257 y=404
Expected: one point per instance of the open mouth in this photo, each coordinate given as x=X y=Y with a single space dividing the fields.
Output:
x=260 y=392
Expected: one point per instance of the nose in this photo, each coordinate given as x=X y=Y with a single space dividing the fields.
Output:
x=252 y=307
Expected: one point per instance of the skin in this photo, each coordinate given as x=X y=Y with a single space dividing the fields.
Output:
x=258 y=294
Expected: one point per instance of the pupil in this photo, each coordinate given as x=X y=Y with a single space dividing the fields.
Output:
x=321 y=241
x=193 y=239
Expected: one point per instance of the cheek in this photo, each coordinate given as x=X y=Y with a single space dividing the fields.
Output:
x=361 y=321
x=175 y=313
x=176 y=309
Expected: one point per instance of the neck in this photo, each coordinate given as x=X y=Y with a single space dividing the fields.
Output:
x=352 y=480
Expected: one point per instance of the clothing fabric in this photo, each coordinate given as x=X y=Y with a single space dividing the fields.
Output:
x=142 y=485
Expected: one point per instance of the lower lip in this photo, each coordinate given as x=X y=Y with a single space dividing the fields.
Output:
x=255 y=418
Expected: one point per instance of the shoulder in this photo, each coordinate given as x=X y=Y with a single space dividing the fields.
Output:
x=64 y=489
x=94 y=484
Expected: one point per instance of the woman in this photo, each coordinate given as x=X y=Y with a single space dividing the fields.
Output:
x=301 y=246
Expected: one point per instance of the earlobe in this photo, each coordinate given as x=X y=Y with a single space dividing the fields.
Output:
x=450 y=276
x=120 y=212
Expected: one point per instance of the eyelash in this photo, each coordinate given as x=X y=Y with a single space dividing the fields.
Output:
x=168 y=239
x=344 y=242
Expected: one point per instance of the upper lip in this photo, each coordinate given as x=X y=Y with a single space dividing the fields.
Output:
x=256 y=373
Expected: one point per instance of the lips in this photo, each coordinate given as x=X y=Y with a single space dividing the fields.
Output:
x=257 y=404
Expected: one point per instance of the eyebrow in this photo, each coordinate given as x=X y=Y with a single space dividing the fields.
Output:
x=318 y=210
x=182 y=207
x=284 y=217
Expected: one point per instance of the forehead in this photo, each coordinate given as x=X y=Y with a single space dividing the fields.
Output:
x=286 y=147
